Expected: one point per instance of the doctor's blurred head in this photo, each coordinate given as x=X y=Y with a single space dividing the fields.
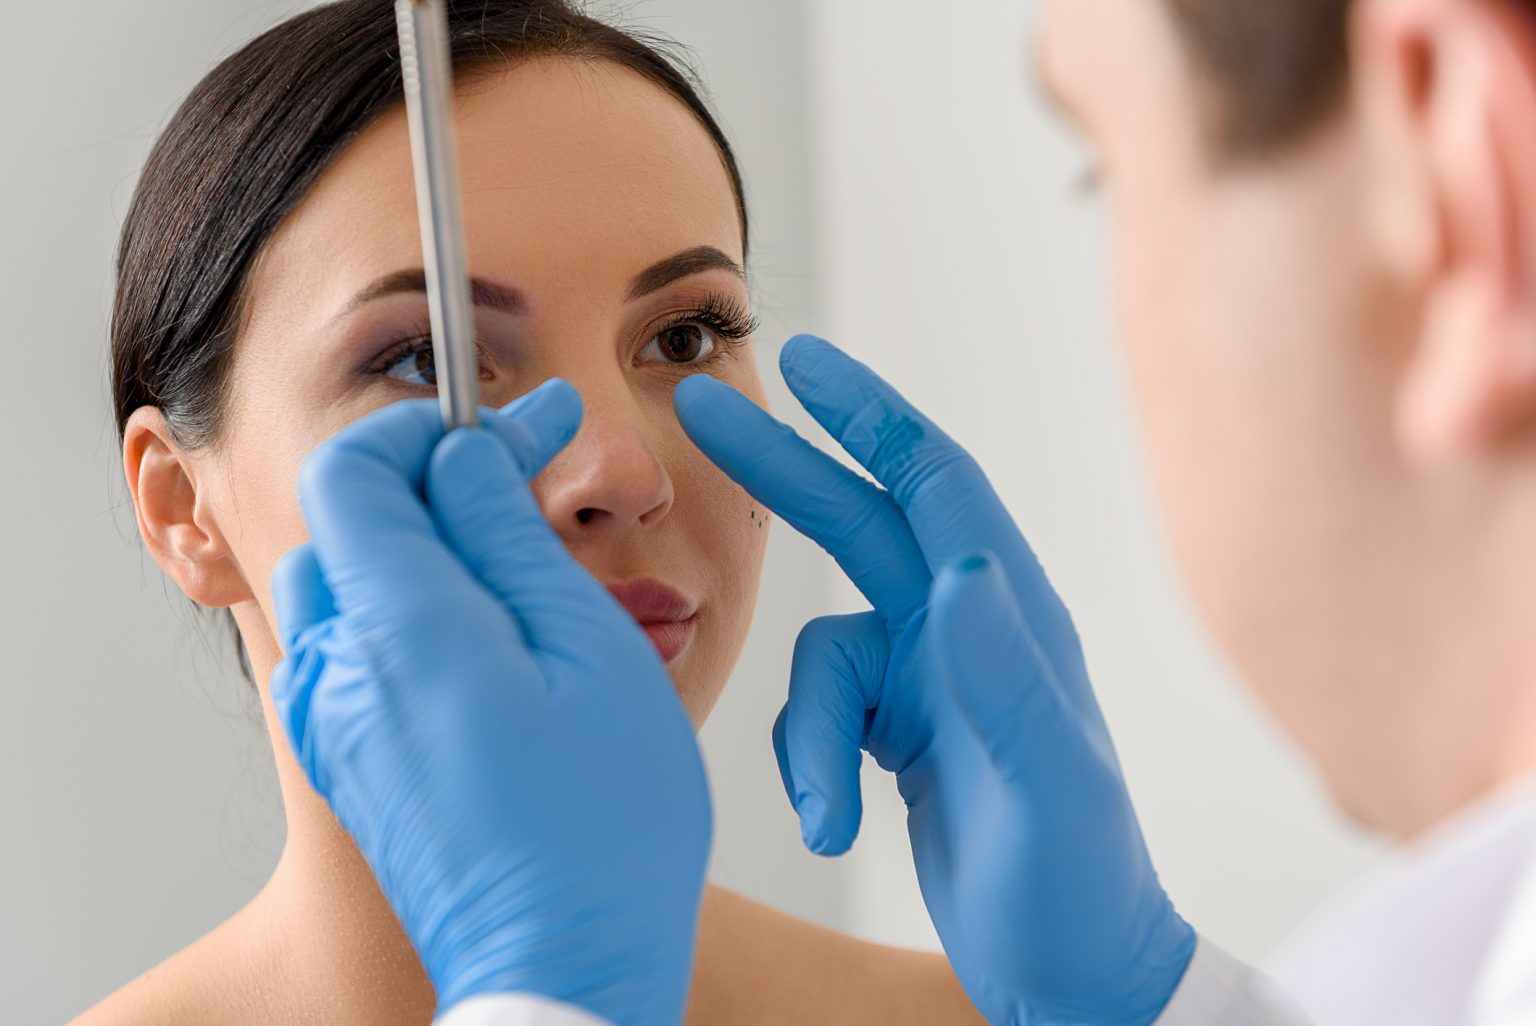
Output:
x=1325 y=221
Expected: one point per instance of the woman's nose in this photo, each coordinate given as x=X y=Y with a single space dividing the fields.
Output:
x=609 y=478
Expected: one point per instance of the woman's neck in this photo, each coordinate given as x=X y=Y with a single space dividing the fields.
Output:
x=336 y=932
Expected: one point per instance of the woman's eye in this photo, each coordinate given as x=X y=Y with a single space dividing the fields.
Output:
x=684 y=343
x=415 y=367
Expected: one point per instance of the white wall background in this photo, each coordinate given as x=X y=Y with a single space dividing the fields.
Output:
x=911 y=200
x=134 y=796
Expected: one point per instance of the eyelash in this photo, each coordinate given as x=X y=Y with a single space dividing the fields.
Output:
x=727 y=319
x=419 y=341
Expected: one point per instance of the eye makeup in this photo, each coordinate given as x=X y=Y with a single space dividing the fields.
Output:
x=415 y=351
x=726 y=321
x=725 y=318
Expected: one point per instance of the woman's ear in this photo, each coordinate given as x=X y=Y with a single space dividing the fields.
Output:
x=1451 y=88
x=175 y=517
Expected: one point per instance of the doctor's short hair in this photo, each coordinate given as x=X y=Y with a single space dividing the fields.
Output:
x=1274 y=70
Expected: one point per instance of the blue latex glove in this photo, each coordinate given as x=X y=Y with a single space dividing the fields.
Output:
x=967 y=681
x=497 y=734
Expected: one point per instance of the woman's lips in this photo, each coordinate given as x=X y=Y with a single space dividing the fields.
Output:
x=667 y=615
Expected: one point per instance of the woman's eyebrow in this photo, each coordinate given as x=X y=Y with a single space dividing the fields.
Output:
x=483 y=292
x=690 y=261
x=496 y=296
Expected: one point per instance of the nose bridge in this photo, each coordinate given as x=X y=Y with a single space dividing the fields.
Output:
x=609 y=478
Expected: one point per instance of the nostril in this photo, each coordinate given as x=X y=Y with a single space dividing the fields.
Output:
x=585 y=516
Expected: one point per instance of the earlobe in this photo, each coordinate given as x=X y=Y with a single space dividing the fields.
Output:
x=1456 y=81
x=174 y=519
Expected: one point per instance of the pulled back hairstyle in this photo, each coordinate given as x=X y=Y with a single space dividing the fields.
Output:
x=1274 y=70
x=250 y=141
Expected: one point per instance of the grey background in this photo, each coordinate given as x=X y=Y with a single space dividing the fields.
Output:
x=136 y=798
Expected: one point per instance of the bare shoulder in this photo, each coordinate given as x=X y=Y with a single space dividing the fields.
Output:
x=759 y=965
x=224 y=977
x=281 y=961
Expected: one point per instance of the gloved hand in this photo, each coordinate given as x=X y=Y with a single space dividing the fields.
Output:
x=967 y=681
x=489 y=724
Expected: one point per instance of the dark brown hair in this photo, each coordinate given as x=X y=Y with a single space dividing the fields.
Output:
x=1274 y=69
x=250 y=141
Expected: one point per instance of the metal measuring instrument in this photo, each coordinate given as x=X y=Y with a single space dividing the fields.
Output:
x=427 y=66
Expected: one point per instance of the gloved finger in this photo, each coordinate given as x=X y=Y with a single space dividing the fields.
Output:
x=537 y=426
x=487 y=515
x=300 y=597
x=304 y=608
x=1002 y=682
x=361 y=493
x=838 y=666
x=948 y=501
x=781 y=756
x=361 y=490
x=855 y=521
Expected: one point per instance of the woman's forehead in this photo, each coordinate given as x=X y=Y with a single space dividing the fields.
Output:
x=567 y=168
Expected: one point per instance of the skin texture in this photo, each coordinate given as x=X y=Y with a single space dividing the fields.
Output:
x=576 y=178
x=1336 y=374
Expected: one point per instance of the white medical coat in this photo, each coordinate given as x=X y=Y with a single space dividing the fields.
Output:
x=1446 y=938
x=1217 y=990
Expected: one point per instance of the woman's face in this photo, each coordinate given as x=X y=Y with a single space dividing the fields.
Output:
x=605 y=240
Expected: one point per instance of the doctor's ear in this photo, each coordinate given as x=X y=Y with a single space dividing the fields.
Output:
x=174 y=515
x=1448 y=90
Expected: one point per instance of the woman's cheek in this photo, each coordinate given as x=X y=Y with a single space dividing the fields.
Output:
x=738 y=553
x=726 y=531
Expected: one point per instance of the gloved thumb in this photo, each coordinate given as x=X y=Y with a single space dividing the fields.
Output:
x=477 y=488
x=537 y=426
x=995 y=670
x=838 y=666
x=302 y=603
x=300 y=597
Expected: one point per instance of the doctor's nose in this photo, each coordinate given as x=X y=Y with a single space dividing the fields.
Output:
x=609 y=479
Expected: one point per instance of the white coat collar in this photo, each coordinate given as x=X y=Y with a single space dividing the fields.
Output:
x=1447 y=935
